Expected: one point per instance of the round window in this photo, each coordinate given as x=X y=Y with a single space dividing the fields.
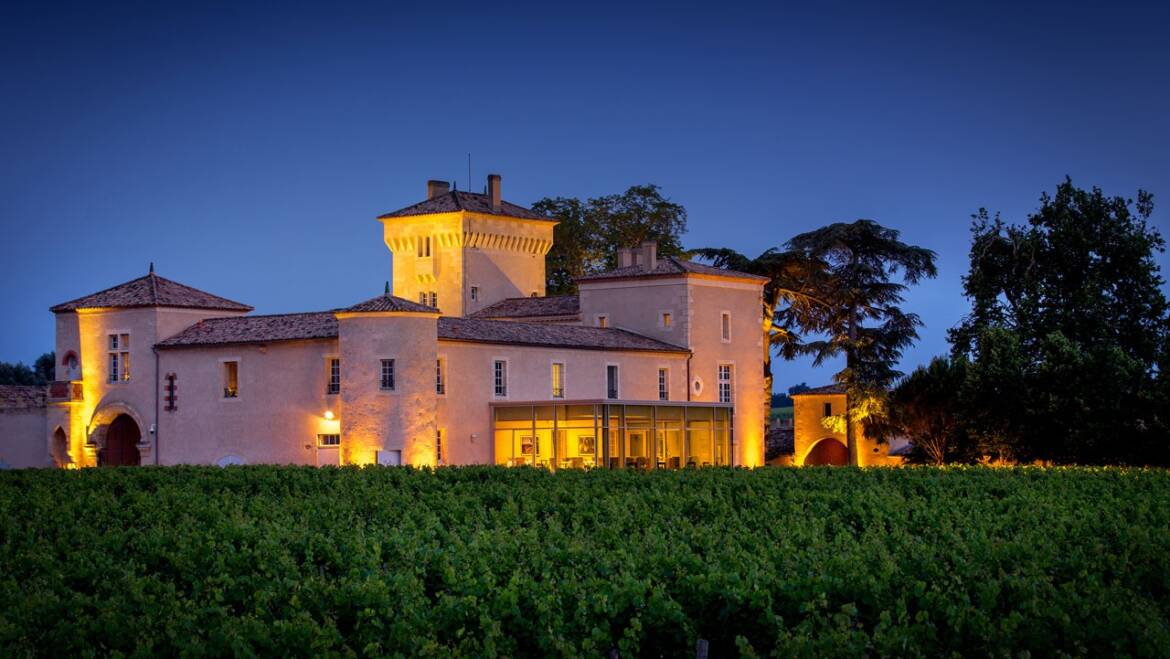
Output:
x=697 y=385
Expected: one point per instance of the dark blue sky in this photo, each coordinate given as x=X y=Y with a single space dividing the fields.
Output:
x=246 y=150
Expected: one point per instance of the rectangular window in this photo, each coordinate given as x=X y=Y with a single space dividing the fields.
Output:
x=500 y=377
x=725 y=327
x=422 y=297
x=828 y=410
x=231 y=379
x=558 y=380
x=434 y=299
x=440 y=385
x=334 y=384
x=664 y=384
x=725 y=383
x=119 y=358
x=328 y=440
x=602 y=320
x=424 y=246
x=667 y=319
x=611 y=381
x=475 y=293
x=438 y=446
x=387 y=375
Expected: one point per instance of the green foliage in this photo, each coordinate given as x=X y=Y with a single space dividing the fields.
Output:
x=590 y=232
x=42 y=371
x=1068 y=332
x=482 y=561
x=928 y=407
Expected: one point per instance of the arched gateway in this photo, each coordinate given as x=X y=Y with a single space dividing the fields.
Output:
x=828 y=451
x=121 y=446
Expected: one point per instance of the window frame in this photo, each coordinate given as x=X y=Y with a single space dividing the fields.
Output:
x=601 y=320
x=827 y=409
x=322 y=441
x=223 y=365
x=725 y=326
x=118 y=361
x=617 y=381
x=666 y=319
x=440 y=375
x=721 y=383
x=500 y=384
x=664 y=383
x=392 y=362
x=332 y=388
x=554 y=393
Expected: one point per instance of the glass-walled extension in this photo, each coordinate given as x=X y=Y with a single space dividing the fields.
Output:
x=615 y=435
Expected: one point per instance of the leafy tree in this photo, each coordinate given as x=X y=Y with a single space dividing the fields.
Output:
x=927 y=408
x=1069 y=304
x=798 y=388
x=42 y=371
x=860 y=317
x=590 y=232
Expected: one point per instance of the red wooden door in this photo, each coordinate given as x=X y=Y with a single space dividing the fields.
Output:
x=121 y=443
x=828 y=452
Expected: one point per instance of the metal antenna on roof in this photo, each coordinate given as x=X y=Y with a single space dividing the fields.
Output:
x=387 y=288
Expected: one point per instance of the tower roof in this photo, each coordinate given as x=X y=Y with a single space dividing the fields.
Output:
x=457 y=200
x=151 y=291
x=388 y=302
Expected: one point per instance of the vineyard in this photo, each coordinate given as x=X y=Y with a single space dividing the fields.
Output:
x=486 y=561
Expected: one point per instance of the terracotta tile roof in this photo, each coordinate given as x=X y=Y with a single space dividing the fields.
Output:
x=152 y=291
x=528 y=307
x=323 y=325
x=387 y=302
x=21 y=397
x=256 y=329
x=827 y=389
x=669 y=266
x=545 y=334
x=457 y=200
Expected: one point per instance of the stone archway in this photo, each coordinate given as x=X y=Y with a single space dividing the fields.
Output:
x=827 y=451
x=59 y=448
x=121 y=445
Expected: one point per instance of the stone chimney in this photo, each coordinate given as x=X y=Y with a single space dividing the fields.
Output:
x=436 y=188
x=625 y=256
x=649 y=255
x=494 y=191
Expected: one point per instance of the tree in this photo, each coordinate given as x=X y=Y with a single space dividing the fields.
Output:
x=927 y=408
x=42 y=371
x=590 y=232
x=860 y=259
x=1070 y=304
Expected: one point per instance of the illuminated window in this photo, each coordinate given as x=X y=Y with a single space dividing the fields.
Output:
x=440 y=385
x=500 y=378
x=387 y=375
x=666 y=320
x=601 y=320
x=664 y=384
x=611 y=381
x=725 y=372
x=422 y=297
x=231 y=379
x=434 y=299
x=119 y=358
x=328 y=440
x=334 y=384
x=725 y=326
x=558 y=380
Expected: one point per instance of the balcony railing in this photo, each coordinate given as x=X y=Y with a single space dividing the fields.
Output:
x=64 y=391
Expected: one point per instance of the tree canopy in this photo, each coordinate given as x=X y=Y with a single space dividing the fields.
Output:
x=41 y=372
x=590 y=232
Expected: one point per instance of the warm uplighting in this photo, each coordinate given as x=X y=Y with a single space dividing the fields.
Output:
x=329 y=415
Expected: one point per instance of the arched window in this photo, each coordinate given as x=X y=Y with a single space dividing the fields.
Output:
x=72 y=366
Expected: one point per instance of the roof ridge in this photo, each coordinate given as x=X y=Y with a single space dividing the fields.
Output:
x=153 y=284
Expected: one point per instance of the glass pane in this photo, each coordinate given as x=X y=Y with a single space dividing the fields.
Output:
x=521 y=413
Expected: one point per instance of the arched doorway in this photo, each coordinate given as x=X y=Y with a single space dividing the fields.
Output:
x=121 y=443
x=59 y=450
x=828 y=452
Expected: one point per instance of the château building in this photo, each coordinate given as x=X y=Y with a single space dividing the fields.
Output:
x=655 y=364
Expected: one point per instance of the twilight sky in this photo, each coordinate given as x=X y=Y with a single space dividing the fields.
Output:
x=246 y=149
